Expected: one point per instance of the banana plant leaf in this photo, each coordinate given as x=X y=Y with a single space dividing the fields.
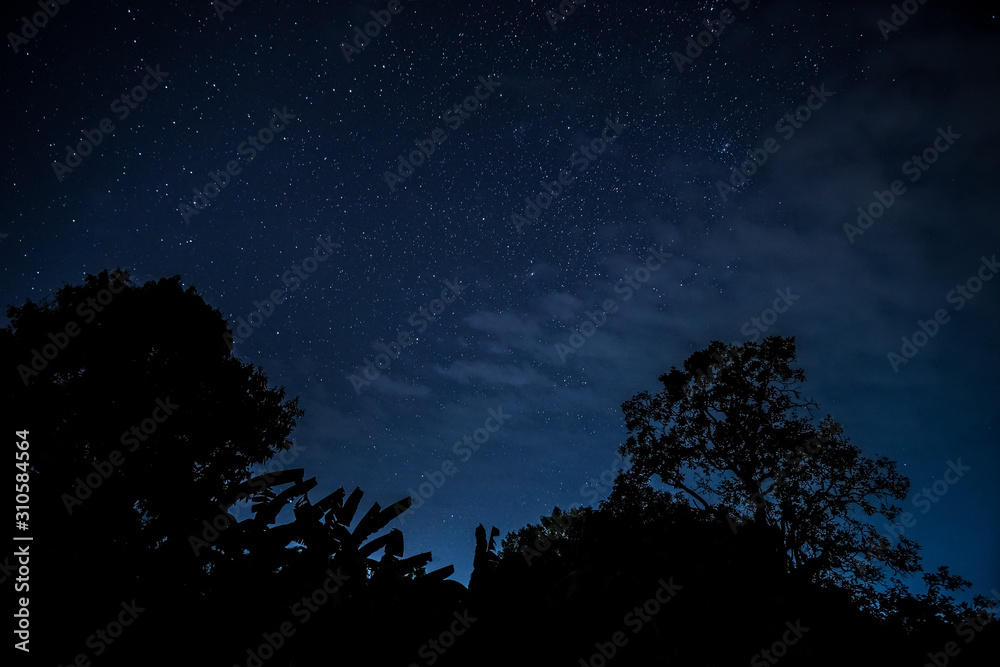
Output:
x=333 y=501
x=368 y=522
x=265 y=481
x=439 y=574
x=392 y=541
x=346 y=513
x=409 y=565
x=268 y=512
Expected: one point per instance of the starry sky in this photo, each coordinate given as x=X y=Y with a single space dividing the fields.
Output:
x=622 y=124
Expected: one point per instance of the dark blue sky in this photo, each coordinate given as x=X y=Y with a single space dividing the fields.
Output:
x=628 y=141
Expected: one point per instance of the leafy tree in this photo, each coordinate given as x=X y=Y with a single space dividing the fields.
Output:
x=144 y=430
x=547 y=540
x=926 y=612
x=732 y=433
x=139 y=420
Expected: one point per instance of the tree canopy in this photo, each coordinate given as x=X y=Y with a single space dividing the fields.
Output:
x=732 y=432
x=144 y=432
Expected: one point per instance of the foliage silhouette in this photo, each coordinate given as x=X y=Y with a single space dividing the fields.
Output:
x=729 y=421
x=124 y=521
x=107 y=527
x=739 y=440
x=153 y=522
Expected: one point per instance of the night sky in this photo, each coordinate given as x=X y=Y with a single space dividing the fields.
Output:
x=624 y=136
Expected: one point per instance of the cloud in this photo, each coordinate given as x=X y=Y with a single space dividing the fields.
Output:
x=502 y=323
x=563 y=305
x=386 y=385
x=465 y=372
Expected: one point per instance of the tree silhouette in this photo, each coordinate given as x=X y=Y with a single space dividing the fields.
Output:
x=140 y=419
x=144 y=431
x=732 y=433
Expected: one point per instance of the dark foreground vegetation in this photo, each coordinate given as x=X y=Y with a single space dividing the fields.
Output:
x=741 y=531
